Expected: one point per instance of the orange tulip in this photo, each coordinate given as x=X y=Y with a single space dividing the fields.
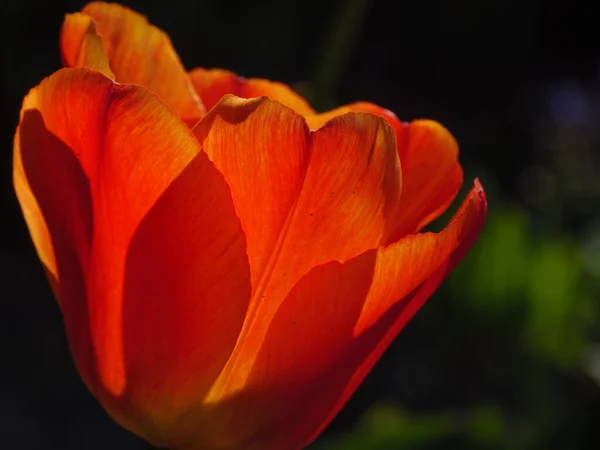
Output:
x=227 y=286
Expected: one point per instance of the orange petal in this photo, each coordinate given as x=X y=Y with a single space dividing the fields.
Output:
x=137 y=53
x=55 y=198
x=431 y=173
x=72 y=34
x=303 y=199
x=262 y=150
x=46 y=132
x=211 y=85
x=316 y=121
x=94 y=155
x=84 y=48
x=335 y=324
x=185 y=299
x=465 y=227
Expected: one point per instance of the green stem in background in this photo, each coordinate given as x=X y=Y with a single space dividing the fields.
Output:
x=345 y=30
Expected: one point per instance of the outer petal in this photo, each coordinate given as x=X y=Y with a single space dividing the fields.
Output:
x=124 y=208
x=211 y=85
x=322 y=196
x=332 y=328
x=137 y=53
x=55 y=198
x=431 y=173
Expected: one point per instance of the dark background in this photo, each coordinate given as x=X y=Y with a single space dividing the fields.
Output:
x=507 y=354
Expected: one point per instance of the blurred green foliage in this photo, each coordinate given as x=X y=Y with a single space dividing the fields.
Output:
x=387 y=427
x=538 y=281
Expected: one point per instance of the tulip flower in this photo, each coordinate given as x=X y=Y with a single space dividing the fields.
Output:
x=227 y=278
